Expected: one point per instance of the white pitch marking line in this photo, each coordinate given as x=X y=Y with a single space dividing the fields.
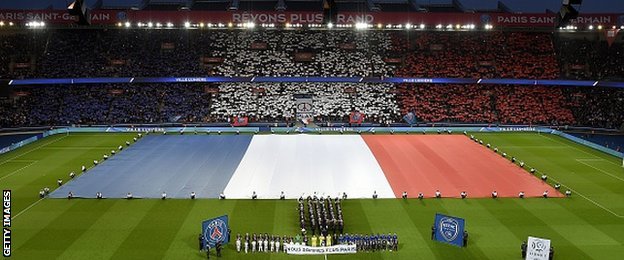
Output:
x=34 y=149
x=27 y=208
x=18 y=170
x=588 y=199
x=601 y=170
x=578 y=149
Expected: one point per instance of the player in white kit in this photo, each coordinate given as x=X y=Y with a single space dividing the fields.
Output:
x=253 y=243
x=238 y=243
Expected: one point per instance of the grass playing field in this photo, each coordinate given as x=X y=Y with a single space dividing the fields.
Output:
x=589 y=225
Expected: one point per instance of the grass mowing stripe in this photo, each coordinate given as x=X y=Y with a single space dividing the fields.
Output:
x=55 y=139
x=55 y=238
x=583 y=149
x=394 y=216
x=106 y=235
x=17 y=171
x=600 y=170
x=151 y=237
x=185 y=244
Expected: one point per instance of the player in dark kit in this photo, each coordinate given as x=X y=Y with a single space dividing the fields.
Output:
x=201 y=241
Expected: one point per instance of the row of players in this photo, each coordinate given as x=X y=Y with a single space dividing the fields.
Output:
x=275 y=244
x=322 y=217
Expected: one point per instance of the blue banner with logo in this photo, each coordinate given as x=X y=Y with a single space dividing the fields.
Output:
x=215 y=230
x=449 y=229
x=410 y=118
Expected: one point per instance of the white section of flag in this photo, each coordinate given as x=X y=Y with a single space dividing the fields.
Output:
x=303 y=164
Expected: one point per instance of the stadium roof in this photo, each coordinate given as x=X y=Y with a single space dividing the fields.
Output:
x=517 y=6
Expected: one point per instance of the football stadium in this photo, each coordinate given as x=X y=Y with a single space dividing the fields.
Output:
x=312 y=129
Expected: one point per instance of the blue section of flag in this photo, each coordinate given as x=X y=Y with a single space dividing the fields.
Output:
x=215 y=230
x=449 y=229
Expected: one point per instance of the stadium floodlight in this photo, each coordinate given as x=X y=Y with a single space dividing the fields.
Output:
x=201 y=25
x=229 y=25
x=613 y=27
x=128 y=24
x=599 y=27
x=10 y=23
x=150 y=25
x=591 y=27
x=422 y=26
x=330 y=25
x=360 y=26
x=119 y=24
x=450 y=26
x=187 y=25
x=408 y=26
x=169 y=25
x=251 y=25
x=1 y=23
x=139 y=24
x=622 y=27
x=458 y=26
x=159 y=25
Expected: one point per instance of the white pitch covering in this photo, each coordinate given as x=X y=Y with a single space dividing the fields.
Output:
x=304 y=164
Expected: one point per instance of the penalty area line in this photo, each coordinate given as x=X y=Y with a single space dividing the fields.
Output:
x=598 y=169
x=16 y=171
x=32 y=150
x=578 y=149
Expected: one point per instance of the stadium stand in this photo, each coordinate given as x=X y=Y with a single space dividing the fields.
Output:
x=250 y=53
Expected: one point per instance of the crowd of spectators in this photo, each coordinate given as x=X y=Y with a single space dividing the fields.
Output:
x=590 y=58
x=332 y=102
x=487 y=104
x=106 y=104
x=247 y=53
x=478 y=55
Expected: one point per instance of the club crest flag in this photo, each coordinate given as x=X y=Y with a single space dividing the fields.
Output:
x=356 y=117
x=538 y=248
x=215 y=230
x=410 y=118
x=240 y=121
x=449 y=229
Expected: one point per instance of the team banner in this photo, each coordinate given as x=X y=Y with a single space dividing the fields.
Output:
x=323 y=250
x=410 y=118
x=538 y=249
x=356 y=117
x=449 y=229
x=215 y=230
x=240 y=121
x=305 y=109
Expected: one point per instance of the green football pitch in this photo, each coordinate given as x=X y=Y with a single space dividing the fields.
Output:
x=588 y=225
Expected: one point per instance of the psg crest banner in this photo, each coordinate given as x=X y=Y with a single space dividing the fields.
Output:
x=215 y=230
x=410 y=118
x=449 y=229
x=538 y=248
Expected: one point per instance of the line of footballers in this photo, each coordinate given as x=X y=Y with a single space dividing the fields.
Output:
x=274 y=244
x=322 y=218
